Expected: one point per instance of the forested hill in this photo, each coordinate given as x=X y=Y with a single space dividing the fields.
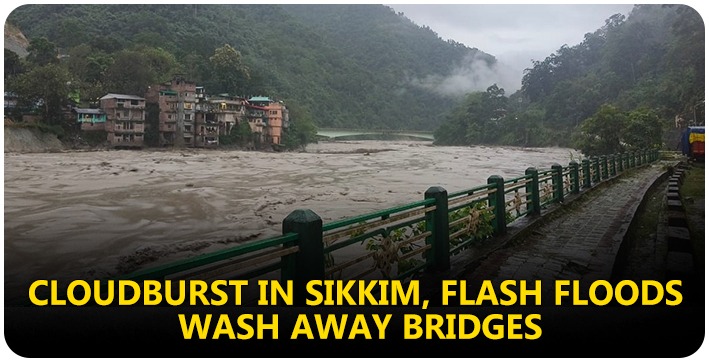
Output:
x=629 y=79
x=350 y=66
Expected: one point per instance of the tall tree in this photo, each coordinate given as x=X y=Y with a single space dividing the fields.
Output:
x=13 y=64
x=229 y=69
x=42 y=52
x=642 y=130
x=44 y=88
x=601 y=133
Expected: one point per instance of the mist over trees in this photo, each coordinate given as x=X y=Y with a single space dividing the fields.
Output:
x=621 y=88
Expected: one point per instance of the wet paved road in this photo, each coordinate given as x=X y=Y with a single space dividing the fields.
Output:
x=580 y=244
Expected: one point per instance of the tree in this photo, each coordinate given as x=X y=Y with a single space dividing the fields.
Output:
x=71 y=32
x=240 y=135
x=133 y=71
x=601 y=133
x=44 y=88
x=229 y=69
x=301 y=130
x=42 y=52
x=13 y=64
x=485 y=113
x=129 y=62
x=642 y=130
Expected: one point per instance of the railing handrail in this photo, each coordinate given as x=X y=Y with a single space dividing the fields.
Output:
x=162 y=271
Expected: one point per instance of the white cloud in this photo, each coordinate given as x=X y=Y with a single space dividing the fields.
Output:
x=473 y=74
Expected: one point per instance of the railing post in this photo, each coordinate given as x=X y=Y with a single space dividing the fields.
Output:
x=596 y=169
x=585 y=163
x=620 y=163
x=604 y=165
x=632 y=159
x=557 y=181
x=613 y=158
x=309 y=262
x=438 y=257
x=574 y=172
x=496 y=200
x=532 y=191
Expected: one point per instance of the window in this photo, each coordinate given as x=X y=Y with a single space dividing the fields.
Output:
x=134 y=102
x=188 y=117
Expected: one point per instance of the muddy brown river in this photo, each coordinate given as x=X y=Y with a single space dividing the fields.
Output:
x=97 y=214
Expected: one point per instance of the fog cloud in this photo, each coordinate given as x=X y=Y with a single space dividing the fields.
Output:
x=472 y=75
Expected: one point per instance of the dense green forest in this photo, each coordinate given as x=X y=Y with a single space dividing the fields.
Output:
x=347 y=66
x=620 y=88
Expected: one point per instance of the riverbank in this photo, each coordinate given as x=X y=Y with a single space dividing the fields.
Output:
x=30 y=140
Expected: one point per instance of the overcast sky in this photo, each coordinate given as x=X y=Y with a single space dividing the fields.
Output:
x=514 y=34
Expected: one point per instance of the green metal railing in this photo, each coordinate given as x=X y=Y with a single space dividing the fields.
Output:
x=400 y=242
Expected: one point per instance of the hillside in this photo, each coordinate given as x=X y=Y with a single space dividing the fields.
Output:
x=351 y=66
x=15 y=40
x=642 y=75
x=28 y=139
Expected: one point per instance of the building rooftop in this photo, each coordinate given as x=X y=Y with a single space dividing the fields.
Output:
x=122 y=96
x=259 y=99
x=88 y=110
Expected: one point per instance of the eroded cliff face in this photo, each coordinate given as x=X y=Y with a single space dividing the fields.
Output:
x=15 y=40
x=25 y=140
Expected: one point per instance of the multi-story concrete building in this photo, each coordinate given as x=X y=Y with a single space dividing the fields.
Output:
x=125 y=119
x=228 y=111
x=176 y=100
x=206 y=125
x=258 y=120
x=187 y=116
x=272 y=115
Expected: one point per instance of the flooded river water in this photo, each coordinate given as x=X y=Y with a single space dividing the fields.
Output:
x=96 y=214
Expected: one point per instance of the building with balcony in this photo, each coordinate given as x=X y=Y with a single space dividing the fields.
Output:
x=125 y=119
x=272 y=114
x=228 y=111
